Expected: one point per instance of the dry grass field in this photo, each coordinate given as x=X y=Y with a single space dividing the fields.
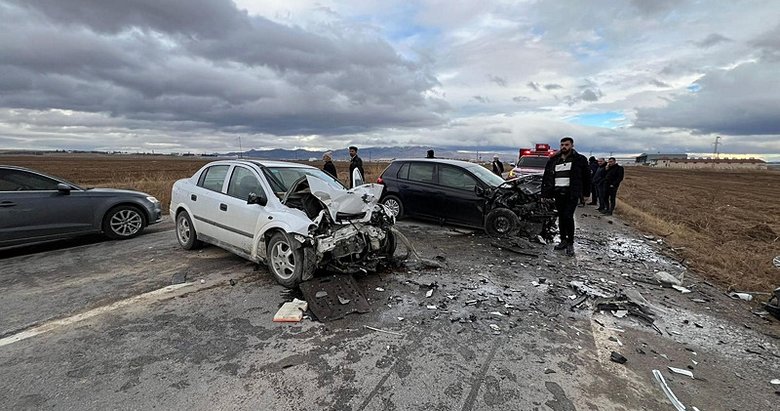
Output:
x=724 y=224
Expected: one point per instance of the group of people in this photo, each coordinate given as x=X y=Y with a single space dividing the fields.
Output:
x=569 y=178
x=356 y=172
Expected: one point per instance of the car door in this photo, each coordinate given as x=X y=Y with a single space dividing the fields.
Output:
x=32 y=208
x=205 y=199
x=417 y=187
x=459 y=203
x=239 y=221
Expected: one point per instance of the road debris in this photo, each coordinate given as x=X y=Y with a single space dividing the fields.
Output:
x=616 y=357
x=773 y=305
x=681 y=289
x=384 y=331
x=342 y=297
x=740 y=296
x=668 y=391
x=429 y=293
x=664 y=277
x=291 y=311
x=681 y=371
x=776 y=381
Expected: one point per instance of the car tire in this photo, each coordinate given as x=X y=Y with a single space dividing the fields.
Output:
x=388 y=249
x=501 y=222
x=123 y=222
x=393 y=203
x=288 y=264
x=185 y=232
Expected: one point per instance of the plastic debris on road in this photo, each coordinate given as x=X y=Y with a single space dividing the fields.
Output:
x=681 y=371
x=291 y=311
x=668 y=391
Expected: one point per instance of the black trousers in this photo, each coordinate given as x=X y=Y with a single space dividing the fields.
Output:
x=566 y=206
x=611 y=197
x=603 y=196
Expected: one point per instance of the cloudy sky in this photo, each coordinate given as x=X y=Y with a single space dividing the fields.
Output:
x=195 y=75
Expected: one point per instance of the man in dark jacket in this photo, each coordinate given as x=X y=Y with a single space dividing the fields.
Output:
x=356 y=163
x=612 y=178
x=598 y=184
x=498 y=166
x=566 y=178
x=328 y=167
x=594 y=165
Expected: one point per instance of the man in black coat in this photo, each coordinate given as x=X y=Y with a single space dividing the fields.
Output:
x=498 y=166
x=356 y=163
x=329 y=167
x=612 y=179
x=594 y=165
x=566 y=178
x=598 y=184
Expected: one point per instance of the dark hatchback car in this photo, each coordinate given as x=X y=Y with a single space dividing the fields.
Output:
x=35 y=207
x=466 y=194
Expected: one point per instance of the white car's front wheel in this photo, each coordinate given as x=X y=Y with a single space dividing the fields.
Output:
x=288 y=262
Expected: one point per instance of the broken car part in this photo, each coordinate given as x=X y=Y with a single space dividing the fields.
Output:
x=669 y=394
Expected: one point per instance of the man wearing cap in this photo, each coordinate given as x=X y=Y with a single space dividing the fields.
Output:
x=498 y=166
x=566 y=178
x=328 y=167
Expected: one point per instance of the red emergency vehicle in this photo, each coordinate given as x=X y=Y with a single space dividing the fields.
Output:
x=532 y=160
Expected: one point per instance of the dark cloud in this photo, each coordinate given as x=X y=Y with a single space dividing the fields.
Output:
x=712 y=40
x=207 y=62
x=498 y=80
x=552 y=86
x=590 y=95
x=740 y=101
x=769 y=44
x=534 y=85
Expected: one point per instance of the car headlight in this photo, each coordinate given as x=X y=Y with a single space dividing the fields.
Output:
x=153 y=200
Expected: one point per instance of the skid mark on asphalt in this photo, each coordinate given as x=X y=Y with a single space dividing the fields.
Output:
x=400 y=361
x=472 y=398
x=162 y=293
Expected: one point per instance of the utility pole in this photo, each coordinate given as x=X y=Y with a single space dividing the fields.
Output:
x=717 y=142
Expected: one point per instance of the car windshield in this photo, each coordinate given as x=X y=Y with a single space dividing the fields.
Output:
x=535 y=162
x=281 y=178
x=486 y=175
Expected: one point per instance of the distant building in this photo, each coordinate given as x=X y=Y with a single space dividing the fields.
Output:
x=645 y=158
x=713 y=163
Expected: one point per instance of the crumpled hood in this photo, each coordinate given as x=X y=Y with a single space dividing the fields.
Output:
x=360 y=199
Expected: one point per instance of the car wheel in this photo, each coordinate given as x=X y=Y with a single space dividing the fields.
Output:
x=123 y=222
x=288 y=264
x=501 y=222
x=394 y=204
x=185 y=232
x=390 y=244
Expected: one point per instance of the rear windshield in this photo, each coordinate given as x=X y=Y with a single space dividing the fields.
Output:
x=281 y=178
x=535 y=162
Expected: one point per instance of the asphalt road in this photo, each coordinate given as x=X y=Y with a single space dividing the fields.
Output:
x=83 y=326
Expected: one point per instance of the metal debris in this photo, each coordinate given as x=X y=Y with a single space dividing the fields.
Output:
x=681 y=371
x=616 y=357
x=383 y=331
x=665 y=278
x=669 y=394
x=342 y=297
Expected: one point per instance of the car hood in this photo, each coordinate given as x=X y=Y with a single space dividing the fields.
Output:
x=116 y=191
x=358 y=200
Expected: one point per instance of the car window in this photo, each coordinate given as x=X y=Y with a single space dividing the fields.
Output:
x=18 y=180
x=243 y=182
x=403 y=172
x=539 y=162
x=422 y=172
x=486 y=175
x=213 y=177
x=281 y=178
x=455 y=177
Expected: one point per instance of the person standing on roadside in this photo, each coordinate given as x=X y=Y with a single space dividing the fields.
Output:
x=429 y=154
x=328 y=167
x=594 y=165
x=598 y=184
x=356 y=163
x=498 y=166
x=566 y=177
x=612 y=179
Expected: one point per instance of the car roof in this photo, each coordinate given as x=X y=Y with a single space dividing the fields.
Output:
x=439 y=160
x=263 y=163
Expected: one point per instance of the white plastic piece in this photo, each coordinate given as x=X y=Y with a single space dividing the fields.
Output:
x=669 y=394
x=681 y=371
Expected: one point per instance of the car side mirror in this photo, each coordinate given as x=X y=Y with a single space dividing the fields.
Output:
x=64 y=188
x=257 y=199
x=479 y=191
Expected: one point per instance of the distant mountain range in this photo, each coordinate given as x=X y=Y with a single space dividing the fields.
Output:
x=376 y=153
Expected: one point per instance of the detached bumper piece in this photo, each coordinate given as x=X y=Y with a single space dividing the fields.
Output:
x=334 y=297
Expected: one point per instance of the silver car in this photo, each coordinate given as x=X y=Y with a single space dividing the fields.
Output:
x=35 y=207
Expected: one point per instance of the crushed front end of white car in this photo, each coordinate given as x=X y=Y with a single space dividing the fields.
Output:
x=350 y=231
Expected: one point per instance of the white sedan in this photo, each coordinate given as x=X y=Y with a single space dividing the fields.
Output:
x=293 y=217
